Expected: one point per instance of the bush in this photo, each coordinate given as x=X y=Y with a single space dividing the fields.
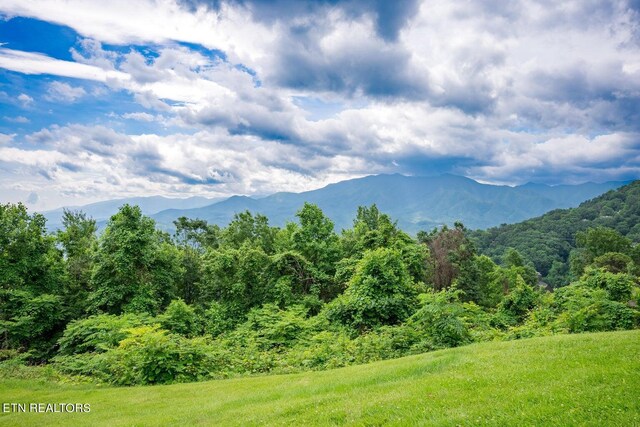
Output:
x=440 y=318
x=154 y=356
x=380 y=293
x=584 y=309
x=519 y=301
x=180 y=318
x=98 y=333
x=618 y=285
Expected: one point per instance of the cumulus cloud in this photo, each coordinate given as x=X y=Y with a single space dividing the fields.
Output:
x=529 y=90
x=97 y=159
x=5 y=139
x=59 y=91
x=25 y=100
x=142 y=116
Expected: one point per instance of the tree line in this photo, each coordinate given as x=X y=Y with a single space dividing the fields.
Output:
x=136 y=305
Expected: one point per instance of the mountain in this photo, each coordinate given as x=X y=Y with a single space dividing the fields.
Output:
x=418 y=203
x=102 y=211
x=548 y=240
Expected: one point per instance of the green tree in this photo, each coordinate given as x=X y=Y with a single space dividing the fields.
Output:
x=78 y=241
x=29 y=260
x=32 y=313
x=180 y=318
x=136 y=268
x=372 y=230
x=317 y=242
x=476 y=281
x=238 y=279
x=245 y=228
x=380 y=293
x=193 y=237
x=196 y=234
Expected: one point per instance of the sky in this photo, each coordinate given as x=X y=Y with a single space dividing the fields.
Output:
x=103 y=100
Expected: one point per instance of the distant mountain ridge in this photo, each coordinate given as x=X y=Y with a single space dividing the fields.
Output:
x=417 y=203
x=102 y=211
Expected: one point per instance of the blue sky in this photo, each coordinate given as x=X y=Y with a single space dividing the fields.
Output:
x=104 y=100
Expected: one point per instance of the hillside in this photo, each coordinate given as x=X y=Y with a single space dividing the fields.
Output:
x=585 y=379
x=418 y=203
x=550 y=237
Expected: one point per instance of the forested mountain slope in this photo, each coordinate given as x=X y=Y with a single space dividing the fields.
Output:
x=549 y=239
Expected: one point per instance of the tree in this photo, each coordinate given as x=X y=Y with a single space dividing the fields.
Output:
x=380 y=293
x=246 y=228
x=136 y=267
x=317 y=242
x=31 y=281
x=78 y=241
x=476 y=282
x=614 y=262
x=372 y=230
x=193 y=237
x=450 y=251
x=238 y=279
x=29 y=260
x=600 y=240
x=196 y=234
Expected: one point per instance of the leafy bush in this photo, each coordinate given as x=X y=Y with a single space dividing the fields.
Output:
x=440 y=318
x=585 y=309
x=180 y=318
x=99 y=333
x=519 y=301
x=150 y=355
x=617 y=285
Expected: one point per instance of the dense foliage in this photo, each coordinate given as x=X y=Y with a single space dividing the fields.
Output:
x=137 y=306
x=556 y=242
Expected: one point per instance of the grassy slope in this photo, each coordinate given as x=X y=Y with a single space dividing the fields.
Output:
x=588 y=379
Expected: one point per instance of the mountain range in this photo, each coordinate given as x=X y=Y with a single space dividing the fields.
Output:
x=102 y=211
x=417 y=203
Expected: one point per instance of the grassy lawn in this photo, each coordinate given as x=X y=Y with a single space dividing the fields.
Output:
x=587 y=379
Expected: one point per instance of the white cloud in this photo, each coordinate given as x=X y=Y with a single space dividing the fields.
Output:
x=17 y=119
x=25 y=100
x=6 y=139
x=59 y=91
x=143 y=117
x=506 y=92
x=96 y=160
x=37 y=63
x=146 y=21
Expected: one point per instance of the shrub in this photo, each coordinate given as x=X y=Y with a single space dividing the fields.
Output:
x=154 y=356
x=180 y=318
x=440 y=318
x=380 y=293
x=98 y=333
x=584 y=309
x=618 y=285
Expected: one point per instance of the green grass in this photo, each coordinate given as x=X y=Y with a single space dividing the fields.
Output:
x=587 y=379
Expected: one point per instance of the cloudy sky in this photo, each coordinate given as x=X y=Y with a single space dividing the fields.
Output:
x=107 y=99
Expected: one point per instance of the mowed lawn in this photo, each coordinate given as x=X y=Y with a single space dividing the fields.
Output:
x=586 y=379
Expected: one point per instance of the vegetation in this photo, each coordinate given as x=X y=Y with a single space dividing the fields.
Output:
x=135 y=305
x=562 y=242
x=585 y=379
